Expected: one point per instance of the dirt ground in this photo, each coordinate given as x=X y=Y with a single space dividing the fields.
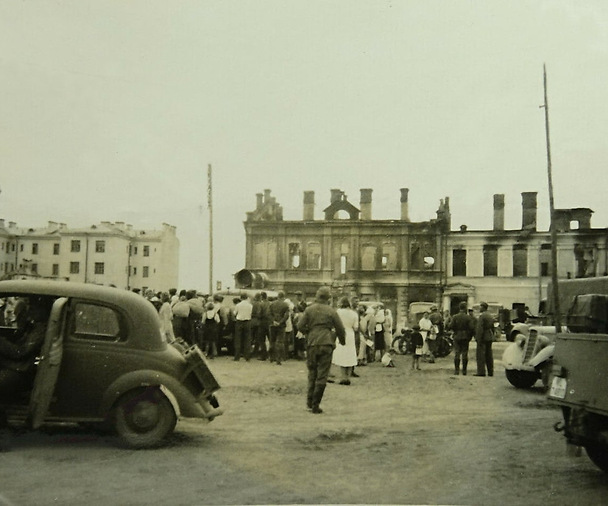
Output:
x=395 y=436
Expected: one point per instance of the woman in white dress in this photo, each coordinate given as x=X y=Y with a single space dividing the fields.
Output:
x=345 y=356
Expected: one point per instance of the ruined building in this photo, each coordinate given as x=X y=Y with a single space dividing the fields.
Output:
x=395 y=261
x=514 y=266
x=400 y=262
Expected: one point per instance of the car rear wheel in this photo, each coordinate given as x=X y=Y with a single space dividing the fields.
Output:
x=144 y=418
x=521 y=379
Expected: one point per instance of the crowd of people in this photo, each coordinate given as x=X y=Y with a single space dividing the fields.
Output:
x=255 y=327
x=354 y=335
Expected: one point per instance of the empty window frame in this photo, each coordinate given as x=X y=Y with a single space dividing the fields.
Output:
x=459 y=262
x=490 y=260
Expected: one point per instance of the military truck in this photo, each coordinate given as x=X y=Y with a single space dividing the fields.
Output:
x=580 y=378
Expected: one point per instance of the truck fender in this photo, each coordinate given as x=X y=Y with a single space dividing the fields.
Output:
x=543 y=355
x=513 y=356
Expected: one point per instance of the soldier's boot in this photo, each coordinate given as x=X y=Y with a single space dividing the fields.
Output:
x=464 y=367
x=310 y=395
x=316 y=398
x=457 y=366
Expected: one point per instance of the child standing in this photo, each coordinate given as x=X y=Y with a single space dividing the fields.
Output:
x=417 y=343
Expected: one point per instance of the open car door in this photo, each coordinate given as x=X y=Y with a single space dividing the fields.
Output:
x=48 y=366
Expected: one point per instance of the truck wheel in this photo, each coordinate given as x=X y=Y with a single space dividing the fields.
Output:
x=599 y=456
x=521 y=379
x=144 y=418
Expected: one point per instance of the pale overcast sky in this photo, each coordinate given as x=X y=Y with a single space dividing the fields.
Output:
x=112 y=110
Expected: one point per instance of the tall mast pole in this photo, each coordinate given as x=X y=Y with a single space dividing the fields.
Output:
x=556 y=309
x=210 y=205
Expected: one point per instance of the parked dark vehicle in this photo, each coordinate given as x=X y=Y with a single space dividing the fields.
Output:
x=580 y=382
x=104 y=361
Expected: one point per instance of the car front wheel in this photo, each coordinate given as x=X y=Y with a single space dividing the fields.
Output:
x=521 y=379
x=144 y=418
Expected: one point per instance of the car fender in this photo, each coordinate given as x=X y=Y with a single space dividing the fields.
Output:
x=175 y=392
x=172 y=399
x=543 y=355
x=513 y=356
x=519 y=328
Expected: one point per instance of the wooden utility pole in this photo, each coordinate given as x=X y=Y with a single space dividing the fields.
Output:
x=210 y=205
x=555 y=295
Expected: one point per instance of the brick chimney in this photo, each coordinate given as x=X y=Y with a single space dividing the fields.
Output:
x=309 y=205
x=405 y=208
x=528 y=216
x=499 y=211
x=366 y=204
x=336 y=195
x=259 y=200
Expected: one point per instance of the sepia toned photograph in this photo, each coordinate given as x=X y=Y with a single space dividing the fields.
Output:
x=303 y=252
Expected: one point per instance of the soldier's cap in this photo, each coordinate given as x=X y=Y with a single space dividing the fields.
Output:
x=483 y=304
x=323 y=293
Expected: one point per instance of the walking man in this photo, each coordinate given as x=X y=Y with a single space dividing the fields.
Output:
x=484 y=335
x=321 y=325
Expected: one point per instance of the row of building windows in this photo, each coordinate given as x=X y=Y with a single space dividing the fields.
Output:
x=421 y=259
x=100 y=247
x=99 y=268
x=490 y=260
x=372 y=257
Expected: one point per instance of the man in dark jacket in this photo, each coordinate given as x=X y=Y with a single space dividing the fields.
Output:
x=17 y=354
x=484 y=335
x=321 y=325
x=279 y=312
x=264 y=328
x=463 y=326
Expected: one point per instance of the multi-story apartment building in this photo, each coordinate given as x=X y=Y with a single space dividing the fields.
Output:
x=396 y=261
x=107 y=253
x=400 y=262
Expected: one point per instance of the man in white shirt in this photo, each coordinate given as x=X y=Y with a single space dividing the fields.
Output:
x=242 y=330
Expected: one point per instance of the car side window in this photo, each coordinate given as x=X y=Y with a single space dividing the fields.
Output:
x=92 y=321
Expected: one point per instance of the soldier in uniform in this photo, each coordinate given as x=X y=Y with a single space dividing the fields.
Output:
x=484 y=335
x=321 y=324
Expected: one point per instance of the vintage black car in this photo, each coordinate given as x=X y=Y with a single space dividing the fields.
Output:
x=104 y=361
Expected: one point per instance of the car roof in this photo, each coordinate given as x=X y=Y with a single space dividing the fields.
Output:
x=67 y=289
x=136 y=308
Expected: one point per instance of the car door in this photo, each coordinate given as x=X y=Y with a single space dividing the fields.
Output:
x=48 y=365
x=95 y=352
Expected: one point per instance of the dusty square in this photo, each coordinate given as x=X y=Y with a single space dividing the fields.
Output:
x=395 y=436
